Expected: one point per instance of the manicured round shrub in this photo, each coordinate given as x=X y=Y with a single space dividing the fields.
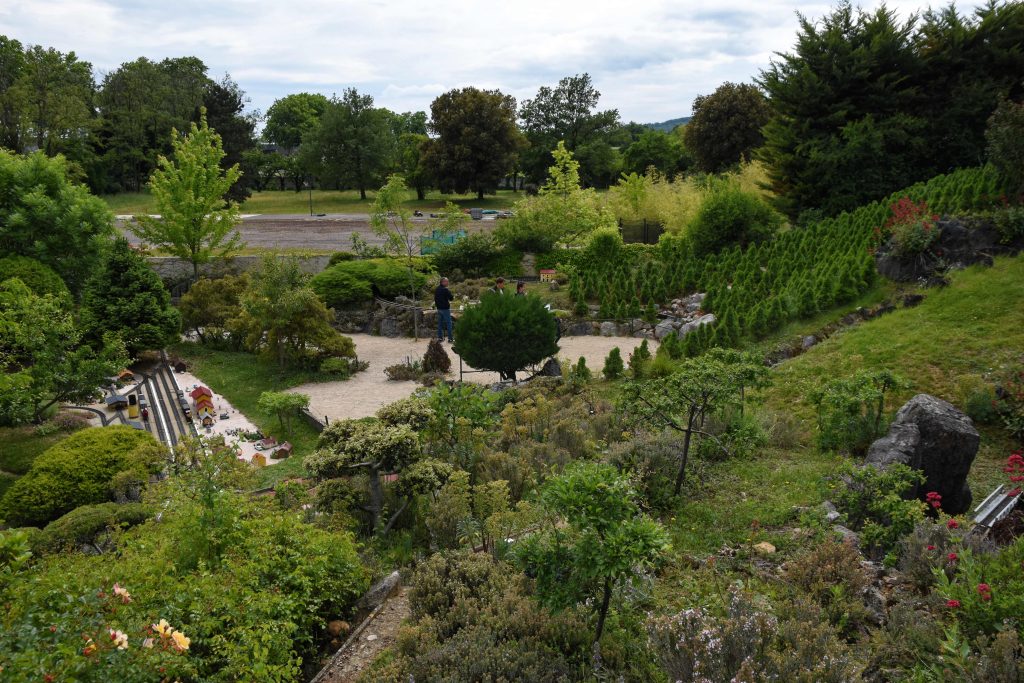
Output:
x=339 y=288
x=506 y=333
x=41 y=279
x=340 y=367
x=78 y=471
x=731 y=216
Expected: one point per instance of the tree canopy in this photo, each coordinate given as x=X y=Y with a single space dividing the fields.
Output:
x=193 y=223
x=477 y=139
x=726 y=126
x=292 y=116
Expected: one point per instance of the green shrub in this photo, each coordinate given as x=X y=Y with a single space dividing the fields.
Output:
x=78 y=471
x=475 y=255
x=830 y=574
x=339 y=288
x=851 y=410
x=506 y=333
x=613 y=366
x=580 y=373
x=404 y=372
x=341 y=256
x=436 y=358
x=875 y=503
x=339 y=367
x=988 y=589
x=412 y=411
x=39 y=278
x=85 y=524
x=651 y=461
x=729 y=216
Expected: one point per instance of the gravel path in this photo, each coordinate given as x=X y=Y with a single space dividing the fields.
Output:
x=365 y=393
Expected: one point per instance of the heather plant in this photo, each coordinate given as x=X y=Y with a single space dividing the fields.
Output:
x=830 y=574
x=911 y=228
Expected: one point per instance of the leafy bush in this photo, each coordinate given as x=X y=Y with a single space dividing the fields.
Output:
x=404 y=372
x=340 y=367
x=851 y=410
x=651 y=461
x=985 y=591
x=340 y=289
x=1005 y=138
x=436 y=358
x=911 y=228
x=341 y=256
x=412 y=411
x=78 y=471
x=37 y=277
x=84 y=524
x=729 y=216
x=874 y=501
x=478 y=254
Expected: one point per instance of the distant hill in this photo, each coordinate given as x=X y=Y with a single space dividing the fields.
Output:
x=667 y=126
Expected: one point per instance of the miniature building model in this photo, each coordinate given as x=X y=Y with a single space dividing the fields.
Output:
x=548 y=275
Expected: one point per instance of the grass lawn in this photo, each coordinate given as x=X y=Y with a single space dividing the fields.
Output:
x=324 y=201
x=241 y=378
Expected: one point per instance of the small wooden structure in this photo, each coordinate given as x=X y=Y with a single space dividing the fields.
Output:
x=207 y=421
x=116 y=402
x=125 y=376
x=548 y=274
x=267 y=443
x=258 y=460
x=282 y=451
x=200 y=391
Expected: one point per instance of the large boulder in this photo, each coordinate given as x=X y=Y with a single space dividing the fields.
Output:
x=664 y=328
x=932 y=436
x=609 y=329
x=691 y=326
x=961 y=243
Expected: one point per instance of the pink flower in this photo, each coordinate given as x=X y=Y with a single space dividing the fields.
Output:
x=985 y=591
x=952 y=524
x=951 y=557
x=952 y=603
x=934 y=499
x=125 y=596
x=931 y=547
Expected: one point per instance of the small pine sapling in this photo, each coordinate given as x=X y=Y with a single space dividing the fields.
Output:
x=436 y=359
x=613 y=366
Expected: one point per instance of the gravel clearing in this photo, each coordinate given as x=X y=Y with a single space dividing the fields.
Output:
x=367 y=391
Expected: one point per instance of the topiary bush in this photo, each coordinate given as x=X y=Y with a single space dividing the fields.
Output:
x=506 y=333
x=339 y=288
x=436 y=358
x=78 y=471
x=353 y=283
x=41 y=279
x=729 y=216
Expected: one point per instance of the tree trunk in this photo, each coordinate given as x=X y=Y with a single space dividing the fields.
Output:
x=421 y=193
x=195 y=271
x=605 y=601
x=376 y=498
x=362 y=193
x=480 y=193
x=686 y=451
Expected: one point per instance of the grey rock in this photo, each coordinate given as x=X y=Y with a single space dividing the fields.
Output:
x=875 y=602
x=609 y=329
x=645 y=334
x=664 y=328
x=379 y=592
x=848 y=536
x=808 y=341
x=691 y=326
x=832 y=515
x=551 y=368
x=935 y=437
x=390 y=327
x=580 y=329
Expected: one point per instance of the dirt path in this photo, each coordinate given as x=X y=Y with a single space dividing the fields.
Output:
x=365 y=393
x=377 y=636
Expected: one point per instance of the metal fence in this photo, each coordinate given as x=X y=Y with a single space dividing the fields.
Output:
x=642 y=231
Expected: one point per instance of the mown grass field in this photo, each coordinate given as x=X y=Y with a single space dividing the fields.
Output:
x=324 y=201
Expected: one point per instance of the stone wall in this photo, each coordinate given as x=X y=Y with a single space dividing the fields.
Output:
x=173 y=269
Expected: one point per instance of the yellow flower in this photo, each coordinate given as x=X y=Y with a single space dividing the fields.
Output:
x=120 y=639
x=181 y=642
x=163 y=628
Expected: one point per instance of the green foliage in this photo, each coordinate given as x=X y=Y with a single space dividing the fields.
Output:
x=292 y=116
x=1005 y=137
x=189 y=190
x=392 y=221
x=876 y=503
x=613 y=366
x=988 y=588
x=78 y=471
x=350 y=282
x=731 y=216
x=39 y=278
x=42 y=358
x=436 y=359
x=47 y=217
x=478 y=254
x=84 y=525
x=477 y=139
x=412 y=411
x=851 y=410
x=651 y=462
x=211 y=309
x=657 y=149
x=605 y=541
x=726 y=126
x=506 y=333
x=127 y=298
x=473 y=619
x=284 y=404
x=283 y=318
x=580 y=373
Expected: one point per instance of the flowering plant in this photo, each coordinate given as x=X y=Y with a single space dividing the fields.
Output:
x=911 y=228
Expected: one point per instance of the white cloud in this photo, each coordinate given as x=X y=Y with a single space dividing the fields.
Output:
x=648 y=58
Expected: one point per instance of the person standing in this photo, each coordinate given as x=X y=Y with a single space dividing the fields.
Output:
x=499 y=286
x=520 y=288
x=443 y=302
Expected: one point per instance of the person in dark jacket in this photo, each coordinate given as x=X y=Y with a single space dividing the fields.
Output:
x=520 y=288
x=443 y=302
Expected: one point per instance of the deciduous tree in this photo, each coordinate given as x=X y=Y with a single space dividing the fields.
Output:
x=477 y=139
x=194 y=222
x=292 y=116
x=284 y=405
x=726 y=126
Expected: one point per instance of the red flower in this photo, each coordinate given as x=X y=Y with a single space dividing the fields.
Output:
x=931 y=547
x=952 y=524
x=951 y=557
x=952 y=603
x=934 y=499
x=985 y=591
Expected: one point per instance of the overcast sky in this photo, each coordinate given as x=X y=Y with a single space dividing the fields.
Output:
x=648 y=58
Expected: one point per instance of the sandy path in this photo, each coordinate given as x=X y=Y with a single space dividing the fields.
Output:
x=365 y=393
